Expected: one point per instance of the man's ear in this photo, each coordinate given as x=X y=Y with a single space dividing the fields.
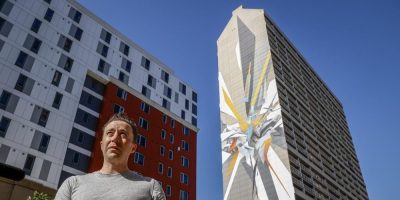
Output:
x=134 y=146
x=101 y=145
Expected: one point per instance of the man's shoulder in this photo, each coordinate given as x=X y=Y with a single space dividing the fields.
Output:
x=137 y=176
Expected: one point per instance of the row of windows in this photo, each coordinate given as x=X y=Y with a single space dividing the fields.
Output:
x=184 y=178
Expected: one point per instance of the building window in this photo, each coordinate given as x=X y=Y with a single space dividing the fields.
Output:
x=182 y=88
x=170 y=155
x=102 y=49
x=122 y=94
x=65 y=43
x=49 y=14
x=4 y=99
x=182 y=114
x=167 y=91
x=184 y=161
x=141 y=140
x=194 y=121
x=145 y=63
x=162 y=150
x=118 y=109
x=163 y=134
x=186 y=104
x=103 y=67
x=145 y=107
x=166 y=104
x=172 y=123
x=184 y=178
x=4 y=124
x=160 y=168
x=70 y=85
x=183 y=195
x=171 y=138
x=5 y=27
x=139 y=158
x=164 y=118
x=184 y=145
x=186 y=130
x=164 y=76
x=5 y=7
x=75 y=159
x=126 y=65
x=124 y=48
x=24 y=84
x=29 y=162
x=65 y=62
x=36 y=25
x=169 y=173
x=106 y=36
x=47 y=1
x=151 y=81
x=168 y=191
x=123 y=77
x=146 y=91
x=32 y=43
x=194 y=96
x=194 y=109
x=40 y=141
x=75 y=15
x=40 y=116
x=56 y=78
x=75 y=32
x=57 y=100
x=24 y=61
x=143 y=123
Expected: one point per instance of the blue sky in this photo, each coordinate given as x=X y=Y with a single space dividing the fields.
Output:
x=353 y=45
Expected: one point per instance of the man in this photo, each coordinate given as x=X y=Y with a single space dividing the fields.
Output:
x=114 y=180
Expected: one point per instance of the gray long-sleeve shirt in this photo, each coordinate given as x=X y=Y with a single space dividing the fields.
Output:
x=124 y=186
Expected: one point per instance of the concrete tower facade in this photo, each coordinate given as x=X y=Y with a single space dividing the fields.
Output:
x=63 y=73
x=283 y=133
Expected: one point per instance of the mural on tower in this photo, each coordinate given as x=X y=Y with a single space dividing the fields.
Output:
x=254 y=152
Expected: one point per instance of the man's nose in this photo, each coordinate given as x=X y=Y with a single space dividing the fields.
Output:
x=115 y=136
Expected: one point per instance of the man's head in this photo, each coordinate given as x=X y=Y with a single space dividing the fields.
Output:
x=118 y=140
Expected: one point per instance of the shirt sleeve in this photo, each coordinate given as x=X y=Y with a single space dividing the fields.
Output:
x=158 y=193
x=65 y=191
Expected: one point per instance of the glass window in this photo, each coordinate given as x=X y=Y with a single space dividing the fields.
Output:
x=184 y=145
x=168 y=191
x=141 y=140
x=126 y=65
x=106 y=36
x=164 y=118
x=166 y=104
x=145 y=63
x=139 y=158
x=123 y=77
x=183 y=195
x=182 y=88
x=144 y=107
x=36 y=25
x=146 y=92
x=162 y=150
x=167 y=91
x=151 y=81
x=75 y=32
x=49 y=14
x=4 y=99
x=4 y=124
x=184 y=161
x=57 y=100
x=102 y=49
x=194 y=121
x=186 y=130
x=163 y=134
x=32 y=43
x=118 y=109
x=5 y=7
x=103 y=67
x=56 y=78
x=172 y=123
x=182 y=114
x=65 y=62
x=75 y=15
x=184 y=178
x=64 y=43
x=170 y=154
x=29 y=162
x=164 y=76
x=194 y=96
x=171 y=138
x=124 y=48
x=160 y=168
x=169 y=173
x=143 y=123
x=5 y=27
x=122 y=94
x=186 y=104
x=24 y=61
x=194 y=109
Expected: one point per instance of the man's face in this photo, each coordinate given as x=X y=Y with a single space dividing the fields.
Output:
x=117 y=142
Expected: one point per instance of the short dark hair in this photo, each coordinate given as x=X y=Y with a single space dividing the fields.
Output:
x=123 y=117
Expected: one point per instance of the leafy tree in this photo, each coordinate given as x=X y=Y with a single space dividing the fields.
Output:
x=39 y=196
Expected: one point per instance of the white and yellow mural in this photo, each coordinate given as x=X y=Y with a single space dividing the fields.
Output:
x=254 y=152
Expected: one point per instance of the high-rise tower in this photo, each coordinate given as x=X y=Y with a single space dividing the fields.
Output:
x=63 y=73
x=284 y=134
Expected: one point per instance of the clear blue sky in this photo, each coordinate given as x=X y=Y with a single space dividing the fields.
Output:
x=353 y=45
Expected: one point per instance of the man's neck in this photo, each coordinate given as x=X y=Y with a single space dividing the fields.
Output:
x=109 y=168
